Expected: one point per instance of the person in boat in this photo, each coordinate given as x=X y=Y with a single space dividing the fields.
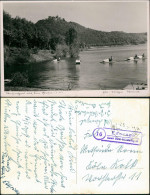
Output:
x=143 y=55
x=135 y=57
x=110 y=59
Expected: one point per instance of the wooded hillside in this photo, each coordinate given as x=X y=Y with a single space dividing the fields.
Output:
x=50 y=32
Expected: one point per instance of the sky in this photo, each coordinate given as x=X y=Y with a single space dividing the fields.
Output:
x=104 y=16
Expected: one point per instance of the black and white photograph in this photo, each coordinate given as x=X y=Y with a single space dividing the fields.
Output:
x=75 y=46
x=75 y=88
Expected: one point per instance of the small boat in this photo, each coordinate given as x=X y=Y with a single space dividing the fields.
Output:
x=108 y=60
x=78 y=61
x=130 y=58
x=140 y=57
x=136 y=57
x=56 y=60
x=7 y=80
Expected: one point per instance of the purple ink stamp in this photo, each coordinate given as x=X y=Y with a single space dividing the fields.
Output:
x=118 y=136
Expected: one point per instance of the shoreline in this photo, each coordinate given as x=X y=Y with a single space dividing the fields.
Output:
x=107 y=46
x=41 y=56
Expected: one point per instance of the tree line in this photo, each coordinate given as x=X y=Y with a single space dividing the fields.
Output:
x=20 y=33
x=60 y=36
x=55 y=31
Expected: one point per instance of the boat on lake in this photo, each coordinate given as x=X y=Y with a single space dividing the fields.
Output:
x=136 y=57
x=108 y=60
x=7 y=80
x=78 y=61
x=57 y=59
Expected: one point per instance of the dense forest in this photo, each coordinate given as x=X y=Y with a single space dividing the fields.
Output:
x=53 y=31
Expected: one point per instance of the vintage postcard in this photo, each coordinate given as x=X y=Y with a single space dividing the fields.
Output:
x=75 y=48
x=70 y=146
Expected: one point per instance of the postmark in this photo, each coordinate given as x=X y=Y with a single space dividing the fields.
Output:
x=118 y=136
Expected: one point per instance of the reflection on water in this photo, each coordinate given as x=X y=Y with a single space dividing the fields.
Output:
x=90 y=74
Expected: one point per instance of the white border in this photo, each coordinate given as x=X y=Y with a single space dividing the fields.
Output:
x=81 y=93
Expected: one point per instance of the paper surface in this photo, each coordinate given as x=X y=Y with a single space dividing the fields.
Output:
x=60 y=92
x=51 y=146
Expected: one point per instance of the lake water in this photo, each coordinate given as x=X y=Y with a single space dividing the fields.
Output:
x=90 y=74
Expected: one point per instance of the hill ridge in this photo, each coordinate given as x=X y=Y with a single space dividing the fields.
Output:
x=47 y=33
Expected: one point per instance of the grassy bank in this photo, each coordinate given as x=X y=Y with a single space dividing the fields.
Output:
x=42 y=55
x=17 y=56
